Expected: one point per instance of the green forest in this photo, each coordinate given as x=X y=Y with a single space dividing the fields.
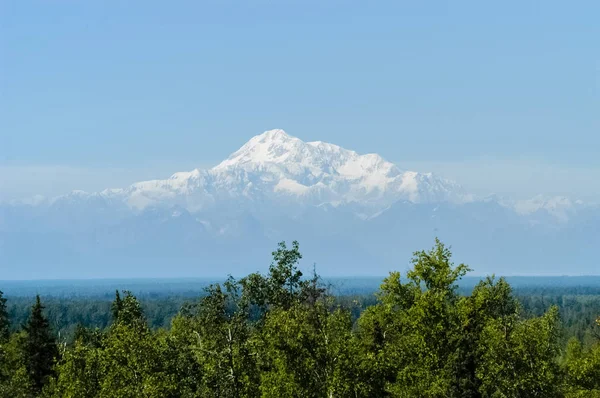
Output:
x=284 y=334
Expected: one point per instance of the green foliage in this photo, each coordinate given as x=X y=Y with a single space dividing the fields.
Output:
x=40 y=348
x=307 y=351
x=181 y=358
x=282 y=286
x=489 y=301
x=116 y=306
x=131 y=364
x=519 y=357
x=418 y=326
x=583 y=369
x=128 y=311
x=222 y=342
x=79 y=373
x=88 y=336
x=4 y=321
x=15 y=380
x=280 y=334
x=127 y=361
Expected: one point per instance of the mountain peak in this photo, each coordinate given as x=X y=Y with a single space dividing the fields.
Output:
x=270 y=138
x=318 y=171
x=281 y=168
x=275 y=135
x=271 y=146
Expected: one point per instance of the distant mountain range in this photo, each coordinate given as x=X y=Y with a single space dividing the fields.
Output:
x=353 y=215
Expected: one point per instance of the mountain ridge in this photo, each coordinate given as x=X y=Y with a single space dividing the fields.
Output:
x=357 y=214
x=442 y=189
x=314 y=172
x=323 y=171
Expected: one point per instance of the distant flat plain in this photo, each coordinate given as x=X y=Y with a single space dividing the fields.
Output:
x=195 y=286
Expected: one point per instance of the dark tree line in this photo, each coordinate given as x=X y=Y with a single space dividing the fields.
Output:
x=282 y=335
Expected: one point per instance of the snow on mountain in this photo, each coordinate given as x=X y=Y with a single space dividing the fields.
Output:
x=541 y=202
x=359 y=213
x=276 y=166
x=559 y=207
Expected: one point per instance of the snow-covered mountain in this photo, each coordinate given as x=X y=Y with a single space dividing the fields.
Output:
x=359 y=213
x=277 y=167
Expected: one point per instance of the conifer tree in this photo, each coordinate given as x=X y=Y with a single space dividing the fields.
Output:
x=116 y=307
x=4 y=322
x=40 y=346
x=127 y=310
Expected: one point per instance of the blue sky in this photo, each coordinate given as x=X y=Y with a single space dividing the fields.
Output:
x=502 y=97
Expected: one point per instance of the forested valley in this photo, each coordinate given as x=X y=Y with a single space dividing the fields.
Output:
x=284 y=334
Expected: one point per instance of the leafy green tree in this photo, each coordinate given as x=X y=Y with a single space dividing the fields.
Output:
x=583 y=369
x=127 y=310
x=87 y=336
x=78 y=374
x=40 y=347
x=415 y=329
x=281 y=334
x=373 y=338
x=490 y=300
x=222 y=342
x=283 y=285
x=180 y=359
x=128 y=361
x=307 y=351
x=15 y=380
x=519 y=357
x=131 y=364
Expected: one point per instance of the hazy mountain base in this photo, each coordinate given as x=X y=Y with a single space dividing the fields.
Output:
x=63 y=243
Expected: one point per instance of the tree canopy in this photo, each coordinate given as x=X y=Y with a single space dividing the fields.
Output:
x=282 y=334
